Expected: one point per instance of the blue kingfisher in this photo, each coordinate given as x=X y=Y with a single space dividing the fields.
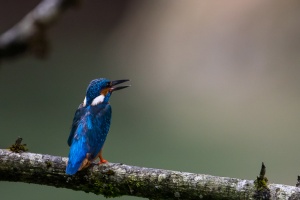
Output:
x=91 y=124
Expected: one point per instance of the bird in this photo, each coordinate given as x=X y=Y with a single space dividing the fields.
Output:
x=91 y=124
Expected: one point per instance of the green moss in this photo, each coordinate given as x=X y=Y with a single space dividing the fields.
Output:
x=262 y=191
x=109 y=172
x=108 y=190
x=48 y=164
x=261 y=183
x=18 y=147
x=134 y=183
x=138 y=184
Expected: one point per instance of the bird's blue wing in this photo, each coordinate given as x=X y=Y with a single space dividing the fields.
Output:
x=88 y=135
x=101 y=125
x=78 y=150
x=78 y=115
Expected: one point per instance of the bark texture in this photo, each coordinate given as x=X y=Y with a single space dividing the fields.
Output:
x=115 y=179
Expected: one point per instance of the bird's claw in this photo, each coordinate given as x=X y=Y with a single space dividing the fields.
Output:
x=102 y=161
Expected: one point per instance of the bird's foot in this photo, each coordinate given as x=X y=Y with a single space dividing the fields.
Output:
x=102 y=161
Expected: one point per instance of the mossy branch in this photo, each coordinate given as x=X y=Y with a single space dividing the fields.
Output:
x=29 y=35
x=114 y=179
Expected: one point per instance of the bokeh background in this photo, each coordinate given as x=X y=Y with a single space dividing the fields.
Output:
x=215 y=86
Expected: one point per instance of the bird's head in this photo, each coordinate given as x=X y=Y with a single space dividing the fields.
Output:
x=100 y=90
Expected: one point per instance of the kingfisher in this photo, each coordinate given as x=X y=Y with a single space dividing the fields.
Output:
x=91 y=124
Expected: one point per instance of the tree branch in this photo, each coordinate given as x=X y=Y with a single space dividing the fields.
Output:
x=116 y=179
x=30 y=33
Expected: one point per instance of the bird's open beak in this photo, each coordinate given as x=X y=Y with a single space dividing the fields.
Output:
x=116 y=82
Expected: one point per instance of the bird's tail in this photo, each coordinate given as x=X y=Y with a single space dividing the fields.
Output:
x=72 y=168
x=76 y=156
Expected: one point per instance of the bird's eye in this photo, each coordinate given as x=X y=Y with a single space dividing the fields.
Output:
x=108 y=84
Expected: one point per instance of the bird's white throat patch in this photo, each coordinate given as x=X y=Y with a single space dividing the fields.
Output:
x=98 y=99
x=84 y=101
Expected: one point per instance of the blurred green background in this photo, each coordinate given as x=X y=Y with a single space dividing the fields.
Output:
x=215 y=86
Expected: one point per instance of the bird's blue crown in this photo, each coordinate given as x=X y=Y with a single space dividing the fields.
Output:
x=94 y=89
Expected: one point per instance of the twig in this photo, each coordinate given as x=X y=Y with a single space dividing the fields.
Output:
x=29 y=35
x=261 y=184
x=115 y=179
x=18 y=147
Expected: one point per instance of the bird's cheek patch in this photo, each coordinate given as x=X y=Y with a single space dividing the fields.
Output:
x=98 y=99
x=84 y=102
x=105 y=91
